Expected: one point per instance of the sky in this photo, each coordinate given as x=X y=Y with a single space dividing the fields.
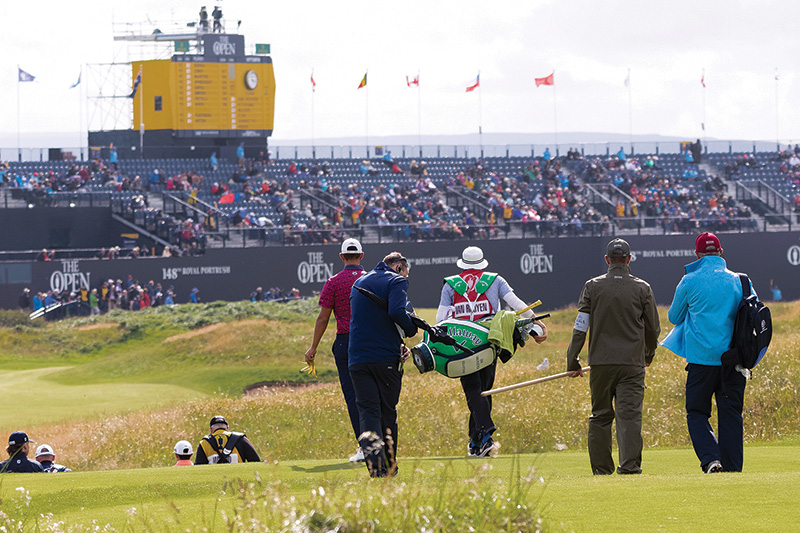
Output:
x=736 y=47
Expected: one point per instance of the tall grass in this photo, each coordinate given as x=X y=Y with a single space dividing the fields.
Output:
x=311 y=422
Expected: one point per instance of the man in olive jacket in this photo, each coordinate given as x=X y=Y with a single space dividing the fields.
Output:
x=619 y=312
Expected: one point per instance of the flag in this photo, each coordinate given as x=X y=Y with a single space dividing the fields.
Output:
x=363 y=81
x=77 y=82
x=136 y=83
x=413 y=82
x=703 y=79
x=24 y=76
x=628 y=79
x=313 y=83
x=547 y=80
x=474 y=85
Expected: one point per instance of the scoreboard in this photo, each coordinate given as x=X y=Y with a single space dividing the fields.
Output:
x=220 y=93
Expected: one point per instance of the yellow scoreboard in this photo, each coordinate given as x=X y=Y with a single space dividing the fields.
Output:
x=208 y=95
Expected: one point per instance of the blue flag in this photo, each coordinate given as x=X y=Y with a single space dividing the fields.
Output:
x=77 y=82
x=24 y=76
x=136 y=83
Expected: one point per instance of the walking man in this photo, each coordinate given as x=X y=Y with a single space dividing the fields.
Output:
x=335 y=297
x=703 y=311
x=378 y=316
x=619 y=313
x=474 y=295
x=224 y=446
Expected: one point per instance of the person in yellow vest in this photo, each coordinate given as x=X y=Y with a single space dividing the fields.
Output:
x=224 y=446
x=474 y=295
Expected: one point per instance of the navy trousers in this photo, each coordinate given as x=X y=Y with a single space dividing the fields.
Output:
x=703 y=382
x=480 y=407
x=377 y=387
x=340 y=356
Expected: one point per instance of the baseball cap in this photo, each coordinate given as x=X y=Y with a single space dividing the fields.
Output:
x=218 y=419
x=618 y=248
x=18 y=437
x=351 y=246
x=183 y=447
x=44 y=449
x=707 y=243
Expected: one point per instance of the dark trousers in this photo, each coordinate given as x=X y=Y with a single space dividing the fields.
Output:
x=620 y=387
x=377 y=387
x=480 y=407
x=703 y=382
x=340 y=356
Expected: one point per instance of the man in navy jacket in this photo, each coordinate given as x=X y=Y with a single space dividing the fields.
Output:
x=378 y=322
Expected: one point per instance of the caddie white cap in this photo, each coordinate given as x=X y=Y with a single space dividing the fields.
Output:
x=183 y=447
x=472 y=257
x=351 y=246
x=44 y=449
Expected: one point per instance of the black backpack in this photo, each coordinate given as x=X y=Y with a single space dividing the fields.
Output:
x=752 y=331
x=224 y=454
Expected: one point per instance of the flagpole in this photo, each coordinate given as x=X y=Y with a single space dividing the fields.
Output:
x=704 y=108
x=555 y=111
x=313 y=137
x=80 y=115
x=777 y=113
x=419 y=116
x=141 y=117
x=480 y=113
x=19 y=148
x=630 y=113
x=366 y=114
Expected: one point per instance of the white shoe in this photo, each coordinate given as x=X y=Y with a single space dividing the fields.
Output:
x=358 y=457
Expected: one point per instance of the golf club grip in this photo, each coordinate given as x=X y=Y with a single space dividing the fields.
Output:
x=532 y=382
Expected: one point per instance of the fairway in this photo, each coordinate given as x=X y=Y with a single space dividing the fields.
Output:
x=42 y=401
x=672 y=494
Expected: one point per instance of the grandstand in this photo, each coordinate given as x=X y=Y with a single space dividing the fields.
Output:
x=288 y=202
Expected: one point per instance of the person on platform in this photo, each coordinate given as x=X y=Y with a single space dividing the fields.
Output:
x=217 y=15
x=335 y=297
x=203 y=19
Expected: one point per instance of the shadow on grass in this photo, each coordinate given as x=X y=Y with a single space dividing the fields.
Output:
x=327 y=467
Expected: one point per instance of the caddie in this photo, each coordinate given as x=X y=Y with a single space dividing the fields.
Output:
x=475 y=294
x=224 y=446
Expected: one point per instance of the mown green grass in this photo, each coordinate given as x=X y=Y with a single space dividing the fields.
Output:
x=450 y=493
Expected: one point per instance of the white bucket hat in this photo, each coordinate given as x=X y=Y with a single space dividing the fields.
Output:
x=472 y=257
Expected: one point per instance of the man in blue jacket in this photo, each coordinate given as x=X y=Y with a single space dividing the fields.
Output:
x=379 y=320
x=703 y=311
x=19 y=445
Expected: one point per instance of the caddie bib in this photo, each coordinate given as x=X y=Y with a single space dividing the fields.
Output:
x=470 y=301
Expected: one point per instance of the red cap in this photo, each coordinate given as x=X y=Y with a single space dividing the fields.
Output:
x=707 y=243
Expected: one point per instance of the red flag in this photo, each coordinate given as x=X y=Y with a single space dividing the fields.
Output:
x=313 y=83
x=547 y=80
x=413 y=82
x=473 y=86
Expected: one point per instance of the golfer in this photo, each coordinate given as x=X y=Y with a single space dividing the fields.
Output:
x=378 y=318
x=473 y=295
x=335 y=297
x=619 y=313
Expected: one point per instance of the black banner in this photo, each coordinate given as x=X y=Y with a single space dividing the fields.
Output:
x=552 y=270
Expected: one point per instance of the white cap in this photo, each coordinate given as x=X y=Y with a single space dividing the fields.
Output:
x=351 y=246
x=44 y=449
x=472 y=257
x=183 y=447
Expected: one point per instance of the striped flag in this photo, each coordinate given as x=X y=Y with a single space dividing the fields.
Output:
x=363 y=81
x=136 y=83
x=547 y=80
x=474 y=84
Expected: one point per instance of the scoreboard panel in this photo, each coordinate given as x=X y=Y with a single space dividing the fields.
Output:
x=196 y=97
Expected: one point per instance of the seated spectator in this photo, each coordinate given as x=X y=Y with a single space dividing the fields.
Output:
x=183 y=453
x=45 y=455
x=224 y=446
x=18 y=448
